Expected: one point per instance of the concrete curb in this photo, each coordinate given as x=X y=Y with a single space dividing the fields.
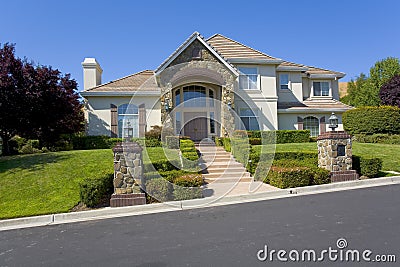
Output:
x=108 y=212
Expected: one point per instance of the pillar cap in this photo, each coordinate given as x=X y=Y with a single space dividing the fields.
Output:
x=334 y=135
x=127 y=147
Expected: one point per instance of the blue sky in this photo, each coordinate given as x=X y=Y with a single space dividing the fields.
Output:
x=129 y=36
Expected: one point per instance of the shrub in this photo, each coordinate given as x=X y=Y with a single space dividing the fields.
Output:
x=281 y=136
x=369 y=167
x=172 y=142
x=162 y=165
x=29 y=149
x=92 y=191
x=189 y=180
x=320 y=176
x=372 y=120
x=218 y=141
x=185 y=193
x=377 y=138
x=288 y=178
x=83 y=142
x=255 y=141
x=152 y=142
x=113 y=141
x=226 y=142
x=159 y=189
x=154 y=133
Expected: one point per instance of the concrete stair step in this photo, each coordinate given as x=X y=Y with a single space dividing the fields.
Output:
x=228 y=180
x=224 y=164
x=226 y=175
x=213 y=169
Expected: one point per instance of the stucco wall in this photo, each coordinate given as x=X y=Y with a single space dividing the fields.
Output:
x=98 y=113
x=295 y=93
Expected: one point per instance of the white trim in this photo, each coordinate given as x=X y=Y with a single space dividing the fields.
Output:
x=289 y=84
x=195 y=36
x=329 y=96
x=291 y=68
x=325 y=76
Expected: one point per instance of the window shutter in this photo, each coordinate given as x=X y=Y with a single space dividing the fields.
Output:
x=322 y=125
x=142 y=120
x=114 y=120
x=300 y=123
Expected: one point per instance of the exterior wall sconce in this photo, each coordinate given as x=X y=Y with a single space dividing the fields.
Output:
x=229 y=105
x=333 y=121
x=166 y=105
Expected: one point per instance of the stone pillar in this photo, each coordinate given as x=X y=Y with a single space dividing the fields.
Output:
x=335 y=154
x=128 y=175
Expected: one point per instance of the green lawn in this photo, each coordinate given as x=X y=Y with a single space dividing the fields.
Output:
x=49 y=183
x=390 y=154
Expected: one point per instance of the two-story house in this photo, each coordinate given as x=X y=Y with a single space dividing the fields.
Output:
x=210 y=87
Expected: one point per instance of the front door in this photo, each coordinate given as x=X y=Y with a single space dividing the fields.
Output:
x=195 y=125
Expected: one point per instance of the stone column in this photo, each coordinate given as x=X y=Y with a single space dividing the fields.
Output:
x=128 y=175
x=335 y=154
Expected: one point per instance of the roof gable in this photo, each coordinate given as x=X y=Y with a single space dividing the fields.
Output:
x=189 y=41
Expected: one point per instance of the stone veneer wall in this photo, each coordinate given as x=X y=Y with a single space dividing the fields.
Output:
x=328 y=151
x=128 y=168
x=208 y=61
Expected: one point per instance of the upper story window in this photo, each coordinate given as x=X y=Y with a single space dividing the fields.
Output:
x=284 y=81
x=321 y=88
x=248 y=78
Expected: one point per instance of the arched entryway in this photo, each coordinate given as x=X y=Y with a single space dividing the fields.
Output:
x=195 y=111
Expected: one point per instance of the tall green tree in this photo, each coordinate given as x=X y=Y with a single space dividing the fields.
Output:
x=364 y=91
x=36 y=102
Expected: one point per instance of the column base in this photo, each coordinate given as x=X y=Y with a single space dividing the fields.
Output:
x=122 y=200
x=341 y=176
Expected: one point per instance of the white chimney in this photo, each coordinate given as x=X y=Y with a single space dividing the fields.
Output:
x=91 y=73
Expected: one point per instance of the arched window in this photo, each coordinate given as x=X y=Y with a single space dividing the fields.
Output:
x=128 y=121
x=312 y=124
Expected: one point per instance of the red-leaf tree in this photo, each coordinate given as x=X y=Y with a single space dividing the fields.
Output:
x=390 y=92
x=36 y=101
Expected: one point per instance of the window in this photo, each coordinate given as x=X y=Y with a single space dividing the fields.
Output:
x=321 y=88
x=249 y=119
x=178 y=123
x=212 y=123
x=312 y=124
x=248 y=78
x=128 y=121
x=194 y=96
x=284 y=81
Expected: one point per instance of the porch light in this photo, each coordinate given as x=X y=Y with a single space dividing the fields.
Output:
x=229 y=105
x=166 y=105
x=333 y=122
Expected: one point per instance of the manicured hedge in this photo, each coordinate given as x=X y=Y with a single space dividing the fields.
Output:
x=92 y=191
x=378 y=138
x=372 y=120
x=288 y=178
x=297 y=176
x=172 y=142
x=281 y=136
x=159 y=189
x=369 y=167
x=185 y=193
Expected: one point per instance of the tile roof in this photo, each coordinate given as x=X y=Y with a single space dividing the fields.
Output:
x=143 y=80
x=314 y=104
x=229 y=48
